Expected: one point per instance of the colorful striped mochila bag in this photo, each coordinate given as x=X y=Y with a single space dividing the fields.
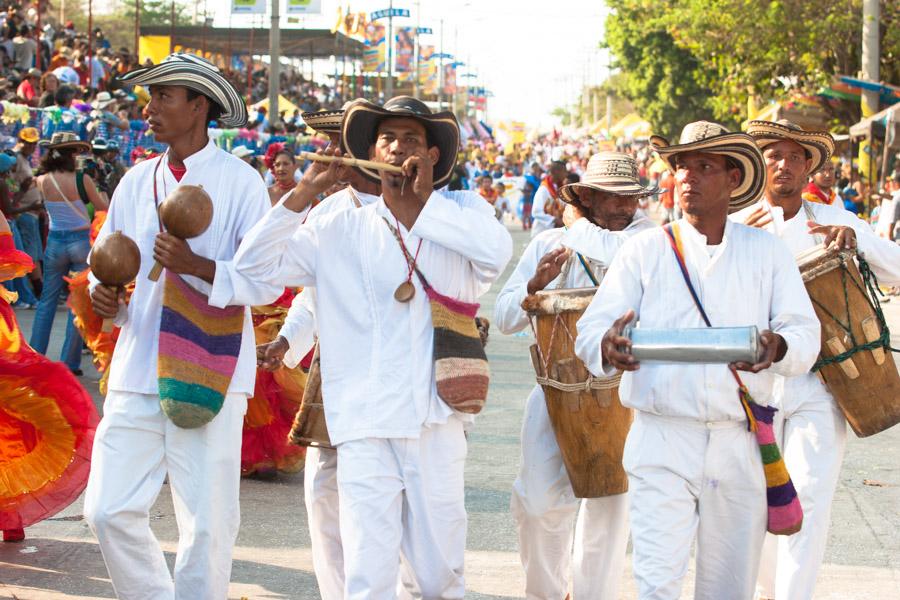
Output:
x=785 y=512
x=198 y=352
x=461 y=371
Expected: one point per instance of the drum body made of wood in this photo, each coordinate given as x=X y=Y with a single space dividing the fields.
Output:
x=590 y=424
x=309 y=428
x=866 y=385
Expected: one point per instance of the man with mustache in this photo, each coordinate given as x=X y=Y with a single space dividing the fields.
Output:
x=543 y=503
x=400 y=447
x=813 y=429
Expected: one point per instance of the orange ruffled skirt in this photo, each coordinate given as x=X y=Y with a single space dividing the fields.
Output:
x=47 y=420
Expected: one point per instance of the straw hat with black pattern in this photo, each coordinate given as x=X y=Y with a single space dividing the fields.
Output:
x=65 y=140
x=200 y=75
x=360 y=125
x=612 y=172
x=324 y=121
x=819 y=145
x=705 y=136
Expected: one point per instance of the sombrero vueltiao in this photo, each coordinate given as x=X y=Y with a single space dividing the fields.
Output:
x=65 y=140
x=612 y=172
x=324 y=121
x=819 y=145
x=704 y=136
x=200 y=75
x=360 y=125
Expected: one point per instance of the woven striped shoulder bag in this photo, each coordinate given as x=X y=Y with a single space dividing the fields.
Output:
x=461 y=370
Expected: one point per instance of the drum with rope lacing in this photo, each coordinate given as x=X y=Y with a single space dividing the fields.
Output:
x=589 y=421
x=855 y=361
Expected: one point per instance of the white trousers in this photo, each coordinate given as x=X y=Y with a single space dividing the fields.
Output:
x=545 y=509
x=404 y=497
x=135 y=447
x=320 y=492
x=688 y=479
x=812 y=433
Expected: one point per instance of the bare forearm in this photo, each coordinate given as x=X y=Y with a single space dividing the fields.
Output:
x=204 y=269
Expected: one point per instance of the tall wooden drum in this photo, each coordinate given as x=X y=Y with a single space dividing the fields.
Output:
x=589 y=421
x=855 y=361
x=309 y=428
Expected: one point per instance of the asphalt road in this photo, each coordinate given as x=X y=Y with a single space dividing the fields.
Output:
x=61 y=560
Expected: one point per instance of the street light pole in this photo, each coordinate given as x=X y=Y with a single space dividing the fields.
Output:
x=274 y=61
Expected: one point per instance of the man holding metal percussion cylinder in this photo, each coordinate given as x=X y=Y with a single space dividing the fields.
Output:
x=812 y=428
x=544 y=505
x=694 y=469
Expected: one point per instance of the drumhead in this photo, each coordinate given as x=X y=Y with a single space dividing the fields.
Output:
x=554 y=302
x=819 y=260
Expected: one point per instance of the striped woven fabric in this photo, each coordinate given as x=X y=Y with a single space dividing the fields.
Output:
x=460 y=364
x=785 y=512
x=198 y=351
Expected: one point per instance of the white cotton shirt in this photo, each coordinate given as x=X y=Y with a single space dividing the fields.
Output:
x=882 y=254
x=239 y=201
x=541 y=220
x=751 y=279
x=376 y=352
x=597 y=245
x=299 y=327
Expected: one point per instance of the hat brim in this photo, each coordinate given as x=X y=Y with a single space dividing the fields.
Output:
x=325 y=121
x=360 y=125
x=199 y=79
x=819 y=144
x=740 y=147
x=569 y=192
x=74 y=145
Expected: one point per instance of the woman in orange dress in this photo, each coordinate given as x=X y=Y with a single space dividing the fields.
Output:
x=47 y=419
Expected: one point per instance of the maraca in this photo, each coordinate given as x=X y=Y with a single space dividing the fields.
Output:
x=115 y=261
x=185 y=213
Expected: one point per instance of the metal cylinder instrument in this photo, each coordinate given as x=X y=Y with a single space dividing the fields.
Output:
x=695 y=345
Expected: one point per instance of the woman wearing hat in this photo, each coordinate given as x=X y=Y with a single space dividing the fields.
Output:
x=694 y=468
x=163 y=370
x=543 y=504
x=376 y=338
x=813 y=429
x=68 y=242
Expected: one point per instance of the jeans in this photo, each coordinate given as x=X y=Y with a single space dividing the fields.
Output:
x=21 y=285
x=66 y=251
x=30 y=229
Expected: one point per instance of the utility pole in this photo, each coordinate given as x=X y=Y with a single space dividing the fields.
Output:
x=137 y=30
x=389 y=88
x=274 y=61
x=869 y=98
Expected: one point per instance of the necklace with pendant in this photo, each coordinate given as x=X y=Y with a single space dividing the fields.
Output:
x=406 y=290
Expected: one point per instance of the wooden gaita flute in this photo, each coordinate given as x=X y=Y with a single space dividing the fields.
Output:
x=351 y=162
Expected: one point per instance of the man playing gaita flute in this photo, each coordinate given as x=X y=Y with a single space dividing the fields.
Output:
x=543 y=503
x=401 y=449
x=813 y=429
x=694 y=469
x=201 y=297
x=293 y=342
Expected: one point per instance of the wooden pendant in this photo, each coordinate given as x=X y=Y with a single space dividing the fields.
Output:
x=405 y=292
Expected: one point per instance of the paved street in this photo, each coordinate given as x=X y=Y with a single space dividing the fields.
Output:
x=60 y=559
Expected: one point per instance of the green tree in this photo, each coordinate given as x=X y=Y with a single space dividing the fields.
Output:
x=665 y=82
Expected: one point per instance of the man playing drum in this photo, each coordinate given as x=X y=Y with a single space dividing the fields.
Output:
x=694 y=469
x=401 y=449
x=604 y=204
x=814 y=429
